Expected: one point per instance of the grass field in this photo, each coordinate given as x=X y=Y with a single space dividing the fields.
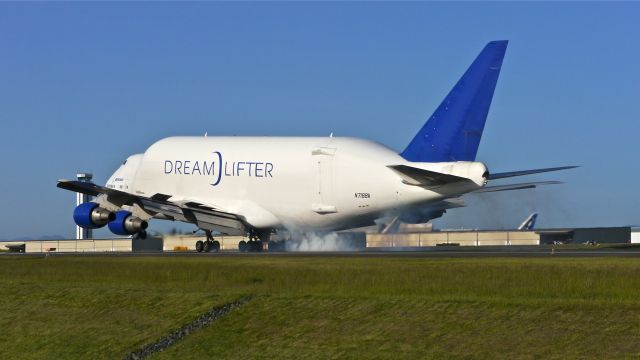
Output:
x=322 y=307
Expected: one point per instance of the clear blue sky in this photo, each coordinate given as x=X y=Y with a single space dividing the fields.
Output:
x=83 y=85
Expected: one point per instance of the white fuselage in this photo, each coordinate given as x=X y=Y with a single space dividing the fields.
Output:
x=309 y=183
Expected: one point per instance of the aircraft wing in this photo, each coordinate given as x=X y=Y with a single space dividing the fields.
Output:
x=204 y=216
x=118 y=197
x=424 y=213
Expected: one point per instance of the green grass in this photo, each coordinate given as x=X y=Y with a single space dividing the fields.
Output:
x=323 y=307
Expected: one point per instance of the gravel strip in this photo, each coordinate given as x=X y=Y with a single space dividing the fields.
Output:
x=203 y=320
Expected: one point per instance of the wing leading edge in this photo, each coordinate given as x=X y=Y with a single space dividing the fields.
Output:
x=202 y=215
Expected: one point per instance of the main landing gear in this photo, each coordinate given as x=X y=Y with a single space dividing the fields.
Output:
x=257 y=238
x=250 y=246
x=209 y=245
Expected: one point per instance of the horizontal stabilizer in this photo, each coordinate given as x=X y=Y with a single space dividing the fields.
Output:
x=520 y=186
x=420 y=177
x=526 y=172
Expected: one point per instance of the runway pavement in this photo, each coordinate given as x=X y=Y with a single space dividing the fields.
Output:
x=498 y=251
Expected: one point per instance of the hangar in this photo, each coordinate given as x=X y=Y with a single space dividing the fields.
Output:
x=607 y=235
x=596 y=235
x=118 y=244
x=122 y=244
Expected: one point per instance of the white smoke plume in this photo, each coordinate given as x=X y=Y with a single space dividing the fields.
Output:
x=312 y=241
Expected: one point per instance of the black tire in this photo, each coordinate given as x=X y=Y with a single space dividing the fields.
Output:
x=216 y=246
x=199 y=245
x=142 y=234
x=242 y=246
x=207 y=246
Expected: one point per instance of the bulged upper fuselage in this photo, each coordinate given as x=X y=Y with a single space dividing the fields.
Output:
x=308 y=183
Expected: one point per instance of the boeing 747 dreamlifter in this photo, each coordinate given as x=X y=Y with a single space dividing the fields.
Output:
x=259 y=185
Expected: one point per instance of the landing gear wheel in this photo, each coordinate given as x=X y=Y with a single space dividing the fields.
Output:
x=207 y=246
x=242 y=246
x=257 y=238
x=199 y=246
x=216 y=246
x=142 y=234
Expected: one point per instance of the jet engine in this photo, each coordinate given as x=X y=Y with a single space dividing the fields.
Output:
x=127 y=224
x=90 y=215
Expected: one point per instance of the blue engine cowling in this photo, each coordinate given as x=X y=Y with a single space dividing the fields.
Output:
x=90 y=215
x=126 y=224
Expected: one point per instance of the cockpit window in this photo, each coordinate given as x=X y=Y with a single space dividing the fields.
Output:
x=124 y=162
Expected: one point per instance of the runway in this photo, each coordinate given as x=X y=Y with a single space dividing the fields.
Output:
x=533 y=252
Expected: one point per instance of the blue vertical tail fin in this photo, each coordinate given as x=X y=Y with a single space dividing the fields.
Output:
x=454 y=130
x=529 y=223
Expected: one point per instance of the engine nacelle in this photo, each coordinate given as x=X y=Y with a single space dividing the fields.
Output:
x=90 y=215
x=127 y=224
